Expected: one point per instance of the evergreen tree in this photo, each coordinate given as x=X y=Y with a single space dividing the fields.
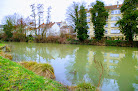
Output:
x=8 y=27
x=99 y=16
x=82 y=24
x=128 y=23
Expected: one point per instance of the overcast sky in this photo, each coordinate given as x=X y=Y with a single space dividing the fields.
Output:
x=58 y=11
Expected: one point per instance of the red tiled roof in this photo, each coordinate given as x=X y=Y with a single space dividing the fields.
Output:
x=64 y=27
x=47 y=25
x=113 y=7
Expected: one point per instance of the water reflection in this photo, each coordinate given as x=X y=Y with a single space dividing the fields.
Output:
x=109 y=68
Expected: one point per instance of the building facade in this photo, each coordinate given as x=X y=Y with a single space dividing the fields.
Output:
x=111 y=30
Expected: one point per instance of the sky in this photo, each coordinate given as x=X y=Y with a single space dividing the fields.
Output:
x=58 y=11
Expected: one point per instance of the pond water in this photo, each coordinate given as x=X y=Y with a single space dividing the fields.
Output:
x=109 y=68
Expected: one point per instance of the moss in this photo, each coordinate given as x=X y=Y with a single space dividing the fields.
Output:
x=16 y=77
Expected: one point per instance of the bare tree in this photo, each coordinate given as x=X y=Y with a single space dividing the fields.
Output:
x=40 y=15
x=72 y=14
x=48 y=15
x=33 y=15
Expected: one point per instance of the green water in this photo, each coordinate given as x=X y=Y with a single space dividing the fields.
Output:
x=109 y=68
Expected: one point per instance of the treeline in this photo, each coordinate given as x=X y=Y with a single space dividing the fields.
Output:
x=76 y=15
x=16 y=27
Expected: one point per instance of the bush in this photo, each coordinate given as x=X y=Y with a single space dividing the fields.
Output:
x=19 y=37
x=30 y=38
x=52 y=39
x=86 y=86
x=113 y=42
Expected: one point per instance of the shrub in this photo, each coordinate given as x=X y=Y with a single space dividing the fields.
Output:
x=52 y=39
x=18 y=37
x=85 y=86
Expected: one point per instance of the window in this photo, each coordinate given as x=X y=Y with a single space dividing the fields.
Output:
x=88 y=14
x=115 y=18
x=88 y=31
x=106 y=31
x=88 y=20
x=113 y=25
x=115 y=31
x=106 y=25
x=96 y=14
x=115 y=12
x=88 y=25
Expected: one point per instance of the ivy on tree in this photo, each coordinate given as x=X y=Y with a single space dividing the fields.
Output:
x=128 y=23
x=81 y=26
x=8 y=27
x=99 y=16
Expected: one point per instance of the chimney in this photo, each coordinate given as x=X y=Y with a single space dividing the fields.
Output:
x=117 y=4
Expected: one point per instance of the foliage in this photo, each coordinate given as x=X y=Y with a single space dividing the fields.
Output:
x=128 y=23
x=99 y=16
x=73 y=15
x=82 y=24
x=19 y=37
x=85 y=86
x=8 y=27
x=30 y=38
x=121 y=43
x=20 y=26
x=15 y=77
x=76 y=16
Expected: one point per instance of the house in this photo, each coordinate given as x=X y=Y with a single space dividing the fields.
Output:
x=64 y=28
x=1 y=29
x=61 y=24
x=111 y=30
x=51 y=29
x=67 y=30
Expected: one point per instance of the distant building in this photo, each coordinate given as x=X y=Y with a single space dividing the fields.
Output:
x=111 y=30
x=51 y=29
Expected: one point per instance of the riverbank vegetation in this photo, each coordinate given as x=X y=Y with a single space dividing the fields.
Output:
x=16 y=77
x=31 y=76
x=45 y=70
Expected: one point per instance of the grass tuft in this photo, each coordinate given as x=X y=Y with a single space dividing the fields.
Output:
x=45 y=70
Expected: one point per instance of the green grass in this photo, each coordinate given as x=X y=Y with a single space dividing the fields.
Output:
x=15 y=77
x=1 y=45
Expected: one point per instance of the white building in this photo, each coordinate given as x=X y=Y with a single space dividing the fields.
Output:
x=51 y=29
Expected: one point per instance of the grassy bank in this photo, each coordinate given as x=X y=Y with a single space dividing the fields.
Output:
x=1 y=45
x=16 y=77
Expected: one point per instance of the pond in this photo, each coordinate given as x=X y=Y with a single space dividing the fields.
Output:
x=109 y=68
